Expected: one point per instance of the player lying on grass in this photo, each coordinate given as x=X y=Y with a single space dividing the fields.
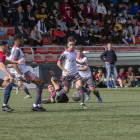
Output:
x=131 y=78
x=67 y=63
x=53 y=88
x=24 y=74
x=6 y=84
x=13 y=73
x=85 y=72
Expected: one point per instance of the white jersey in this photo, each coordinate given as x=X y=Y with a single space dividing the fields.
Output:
x=68 y=60
x=17 y=54
x=87 y=73
x=12 y=70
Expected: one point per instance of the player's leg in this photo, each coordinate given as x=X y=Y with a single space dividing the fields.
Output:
x=137 y=82
x=37 y=102
x=55 y=84
x=28 y=95
x=91 y=86
x=81 y=91
x=8 y=87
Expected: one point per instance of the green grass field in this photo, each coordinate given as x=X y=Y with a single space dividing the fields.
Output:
x=117 y=118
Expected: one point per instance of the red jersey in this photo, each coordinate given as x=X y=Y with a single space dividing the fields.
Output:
x=122 y=77
x=2 y=57
x=129 y=74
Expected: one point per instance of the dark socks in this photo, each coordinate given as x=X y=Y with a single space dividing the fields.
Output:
x=81 y=91
x=7 y=93
x=26 y=91
x=85 y=90
x=97 y=94
x=62 y=91
x=38 y=95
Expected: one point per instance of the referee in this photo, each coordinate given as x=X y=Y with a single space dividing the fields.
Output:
x=109 y=58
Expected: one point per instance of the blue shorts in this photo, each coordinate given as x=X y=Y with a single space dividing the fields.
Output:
x=128 y=40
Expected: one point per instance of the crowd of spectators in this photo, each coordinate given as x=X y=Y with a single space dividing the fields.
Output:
x=125 y=79
x=59 y=19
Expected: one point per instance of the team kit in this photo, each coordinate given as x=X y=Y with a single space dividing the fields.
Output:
x=73 y=63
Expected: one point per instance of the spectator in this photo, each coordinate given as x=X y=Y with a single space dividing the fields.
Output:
x=113 y=9
x=81 y=6
x=60 y=22
x=51 y=25
x=7 y=9
x=110 y=61
x=109 y=16
x=118 y=25
x=1 y=14
x=107 y=29
x=131 y=77
x=123 y=20
x=23 y=33
x=37 y=3
x=67 y=17
x=80 y=17
x=71 y=32
x=49 y=3
x=121 y=9
x=94 y=4
x=45 y=6
x=101 y=10
x=30 y=16
x=114 y=1
x=100 y=78
x=138 y=74
x=84 y=40
x=42 y=14
x=64 y=6
x=42 y=28
x=115 y=36
x=18 y=17
x=89 y=11
x=35 y=37
x=134 y=10
x=73 y=4
x=122 y=77
x=95 y=27
x=131 y=28
x=76 y=26
x=53 y=14
x=56 y=5
x=94 y=38
x=59 y=36
x=127 y=37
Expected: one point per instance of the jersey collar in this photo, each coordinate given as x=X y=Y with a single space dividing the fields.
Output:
x=69 y=51
x=80 y=58
x=16 y=46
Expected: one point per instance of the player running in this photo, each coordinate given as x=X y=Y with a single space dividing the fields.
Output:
x=23 y=74
x=12 y=71
x=85 y=72
x=6 y=84
x=53 y=88
x=67 y=63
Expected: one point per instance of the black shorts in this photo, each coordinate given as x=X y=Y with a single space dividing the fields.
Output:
x=1 y=81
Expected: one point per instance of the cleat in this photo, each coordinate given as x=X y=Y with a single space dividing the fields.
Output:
x=83 y=106
x=116 y=86
x=17 y=90
x=7 y=108
x=35 y=108
x=53 y=75
x=42 y=109
x=56 y=97
x=88 y=95
x=28 y=96
x=100 y=100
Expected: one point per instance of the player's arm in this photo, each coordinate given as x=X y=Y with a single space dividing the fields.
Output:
x=62 y=58
x=85 y=68
x=30 y=61
x=3 y=68
x=81 y=63
x=19 y=62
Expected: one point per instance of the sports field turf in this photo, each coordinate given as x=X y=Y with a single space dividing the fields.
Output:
x=117 y=118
